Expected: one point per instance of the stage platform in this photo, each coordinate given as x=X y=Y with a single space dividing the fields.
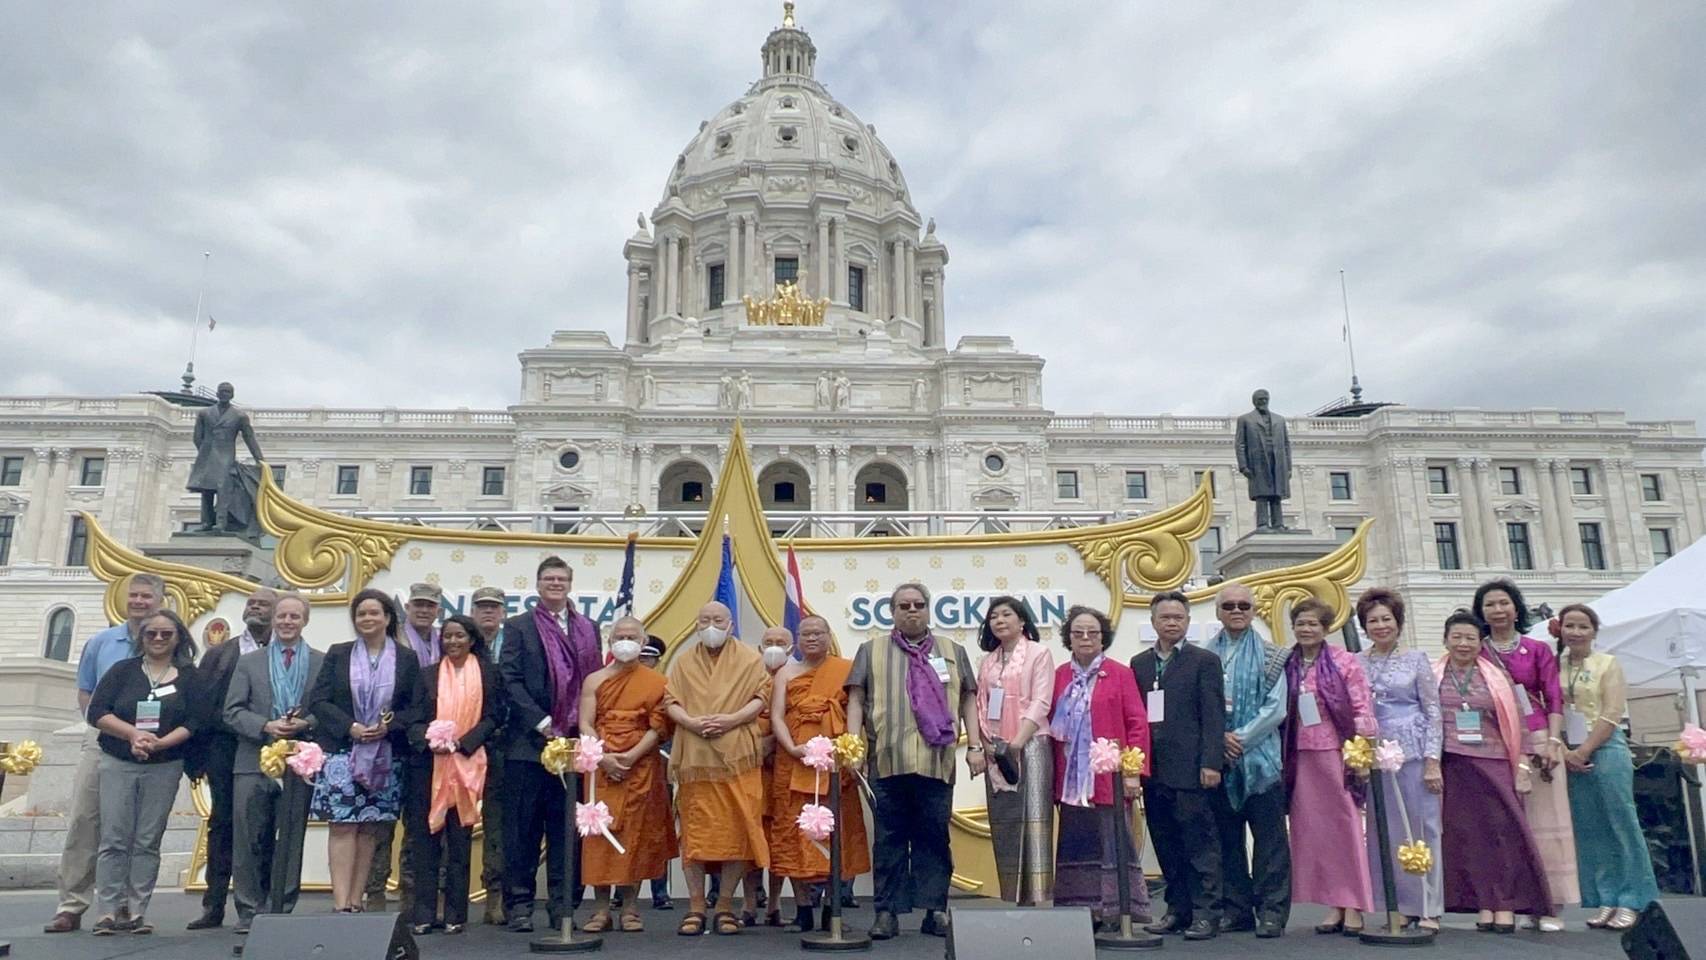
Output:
x=23 y=913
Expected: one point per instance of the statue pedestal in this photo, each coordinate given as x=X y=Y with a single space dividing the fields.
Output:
x=1260 y=552
x=214 y=551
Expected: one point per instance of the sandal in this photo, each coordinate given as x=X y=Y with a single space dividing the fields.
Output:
x=1623 y=919
x=597 y=923
x=631 y=923
x=1600 y=919
x=727 y=924
x=691 y=925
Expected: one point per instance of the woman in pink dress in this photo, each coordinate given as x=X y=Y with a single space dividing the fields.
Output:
x=1329 y=703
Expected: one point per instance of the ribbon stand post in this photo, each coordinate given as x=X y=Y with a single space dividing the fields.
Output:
x=1396 y=932
x=6 y=753
x=566 y=941
x=1127 y=937
x=837 y=937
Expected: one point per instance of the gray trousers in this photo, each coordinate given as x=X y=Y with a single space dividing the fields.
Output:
x=82 y=830
x=136 y=803
x=258 y=801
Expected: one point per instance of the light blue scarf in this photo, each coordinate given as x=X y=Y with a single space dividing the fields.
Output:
x=288 y=686
x=1246 y=678
x=1071 y=726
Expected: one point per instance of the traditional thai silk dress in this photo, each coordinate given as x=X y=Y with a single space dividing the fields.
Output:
x=1021 y=816
x=1406 y=705
x=1611 y=853
x=1329 y=861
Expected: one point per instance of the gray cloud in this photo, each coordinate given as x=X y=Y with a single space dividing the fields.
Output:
x=1158 y=199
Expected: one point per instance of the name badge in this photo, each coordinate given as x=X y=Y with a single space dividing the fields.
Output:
x=148 y=716
x=997 y=697
x=1156 y=705
x=164 y=691
x=1229 y=706
x=940 y=665
x=1308 y=710
x=1468 y=726
x=1575 y=727
x=1524 y=706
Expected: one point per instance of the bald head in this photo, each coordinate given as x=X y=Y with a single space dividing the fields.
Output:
x=1235 y=607
x=714 y=614
x=776 y=637
x=628 y=628
x=258 y=612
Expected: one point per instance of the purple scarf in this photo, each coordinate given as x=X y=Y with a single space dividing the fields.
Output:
x=560 y=656
x=1332 y=696
x=371 y=686
x=928 y=694
x=1071 y=726
x=427 y=650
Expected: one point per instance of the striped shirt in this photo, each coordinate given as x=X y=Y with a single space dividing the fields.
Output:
x=894 y=745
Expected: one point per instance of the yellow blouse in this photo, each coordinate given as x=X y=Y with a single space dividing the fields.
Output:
x=1595 y=688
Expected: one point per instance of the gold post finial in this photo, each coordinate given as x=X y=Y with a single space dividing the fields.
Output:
x=788 y=13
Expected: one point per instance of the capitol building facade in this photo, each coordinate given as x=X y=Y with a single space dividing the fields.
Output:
x=786 y=279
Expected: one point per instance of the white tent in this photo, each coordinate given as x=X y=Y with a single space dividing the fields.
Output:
x=1657 y=625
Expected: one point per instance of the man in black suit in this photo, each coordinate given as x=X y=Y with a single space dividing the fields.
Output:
x=1183 y=689
x=547 y=653
x=215 y=751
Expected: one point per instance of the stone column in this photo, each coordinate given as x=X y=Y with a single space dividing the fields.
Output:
x=1549 y=514
x=609 y=494
x=823 y=481
x=926 y=476
x=53 y=513
x=636 y=323
x=913 y=297
x=1564 y=495
x=35 y=521
x=382 y=483
x=1473 y=542
x=455 y=496
x=1688 y=479
x=1305 y=479
x=645 y=488
x=838 y=258
x=1629 y=537
x=843 y=478
x=754 y=281
x=672 y=277
x=897 y=282
x=954 y=479
x=732 y=287
x=1492 y=531
x=825 y=279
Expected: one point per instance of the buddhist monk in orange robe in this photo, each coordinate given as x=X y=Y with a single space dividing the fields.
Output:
x=776 y=646
x=623 y=705
x=717 y=688
x=811 y=698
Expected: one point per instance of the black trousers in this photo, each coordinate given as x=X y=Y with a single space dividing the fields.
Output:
x=426 y=852
x=1187 y=842
x=533 y=809
x=221 y=822
x=492 y=820
x=1255 y=880
x=911 y=862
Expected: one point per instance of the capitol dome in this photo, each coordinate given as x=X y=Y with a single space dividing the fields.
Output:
x=785 y=186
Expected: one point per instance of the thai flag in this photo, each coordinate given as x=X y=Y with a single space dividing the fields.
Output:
x=625 y=592
x=793 y=599
x=728 y=594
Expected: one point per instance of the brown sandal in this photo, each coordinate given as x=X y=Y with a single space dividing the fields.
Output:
x=597 y=923
x=631 y=923
x=727 y=924
x=692 y=925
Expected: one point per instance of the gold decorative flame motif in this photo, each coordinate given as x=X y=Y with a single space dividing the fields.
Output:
x=316 y=549
x=787 y=309
x=1328 y=579
x=191 y=591
x=1153 y=553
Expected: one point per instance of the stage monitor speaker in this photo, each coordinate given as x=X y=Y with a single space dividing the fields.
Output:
x=1062 y=933
x=1668 y=932
x=337 y=936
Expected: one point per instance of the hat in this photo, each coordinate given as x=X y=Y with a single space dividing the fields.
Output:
x=425 y=591
x=489 y=595
x=653 y=647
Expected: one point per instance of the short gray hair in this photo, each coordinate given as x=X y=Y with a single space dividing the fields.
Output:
x=923 y=591
x=154 y=581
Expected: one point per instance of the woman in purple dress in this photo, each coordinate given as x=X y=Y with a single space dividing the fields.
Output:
x=1532 y=669
x=1406 y=703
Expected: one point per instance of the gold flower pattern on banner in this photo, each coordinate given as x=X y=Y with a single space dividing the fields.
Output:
x=589 y=559
x=935 y=562
x=807 y=563
x=610 y=584
x=894 y=563
x=873 y=586
x=501 y=557
x=520 y=583
x=458 y=555
x=476 y=581
x=415 y=553
x=829 y=586
x=851 y=563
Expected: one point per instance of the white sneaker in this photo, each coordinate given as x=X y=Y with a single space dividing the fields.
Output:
x=1550 y=925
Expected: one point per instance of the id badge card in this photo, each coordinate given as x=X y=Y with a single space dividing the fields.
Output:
x=1575 y=727
x=940 y=665
x=1469 y=726
x=148 y=716
x=1524 y=706
x=1156 y=705
x=997 y=696
x=1308 y=710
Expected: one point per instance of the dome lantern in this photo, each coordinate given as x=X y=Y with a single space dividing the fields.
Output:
x=788 y=51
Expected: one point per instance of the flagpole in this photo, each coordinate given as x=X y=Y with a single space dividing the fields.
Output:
x=195 y=322
x=1350 y=343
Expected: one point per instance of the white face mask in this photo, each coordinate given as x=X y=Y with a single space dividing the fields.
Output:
x=625 y=650
x=774 y=657
x=712 y=636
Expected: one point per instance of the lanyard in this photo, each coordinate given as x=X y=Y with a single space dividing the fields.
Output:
x=1464 y=683
x=154 y=684
x=1582 y=675
x=1161 y=665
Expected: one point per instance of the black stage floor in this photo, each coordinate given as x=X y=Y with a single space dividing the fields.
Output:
x=22 y=914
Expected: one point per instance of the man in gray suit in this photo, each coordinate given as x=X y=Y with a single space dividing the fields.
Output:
x=1264 y=458
x=263 y=704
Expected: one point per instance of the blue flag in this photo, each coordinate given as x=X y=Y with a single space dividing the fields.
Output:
x=625 y=593
x=727 y=593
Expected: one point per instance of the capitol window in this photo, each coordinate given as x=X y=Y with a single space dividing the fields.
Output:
x=1510 y=481
x=856 y=287
x=724 y=142
x=492 y=482
x=1439 y=482
x=278 y=474
x=60 y=624
x=714 y=287
x=77 y=547
x=11 y=471
x=876 y=493
x=1593 y=546
x=1196 y=481
x=850 y=144
x=1208 y=551
x=1652 y=490
x=787 y=134
x=1136 y=485
x=7 y=524
x=1445 y=546
x=349 y=480
x=1340 y=481
x=1522 y=554
x=692 y=491
x=420 y=481
x=787 y=269
x=1581 y=481
x=994 y=462
x=94 y=471
x=1066 y=484
x=569 y=459
x=1663 y=548
x=784 y=492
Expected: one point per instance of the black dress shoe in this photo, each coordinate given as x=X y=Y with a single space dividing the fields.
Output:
x=1171 y=923
x=1236 y=924
x=849 y=901
x=1201 y=930
x=520 y=923
x=207 y=921
x=1269 y=929
x=935 y=924
x=661 y=901
x=885 y=926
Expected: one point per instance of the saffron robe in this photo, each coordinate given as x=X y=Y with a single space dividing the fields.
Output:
x=817 y=706
x=719 y=792
x=628 y=704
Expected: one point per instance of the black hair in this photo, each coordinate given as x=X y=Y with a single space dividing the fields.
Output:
x=385 y=603
x=1027 y=624
x=554 y=562
x=1101 y=618
x=1524 y=619
x=476 y=639
x=1175 y=596
x=1461 y=616
x=184 y=649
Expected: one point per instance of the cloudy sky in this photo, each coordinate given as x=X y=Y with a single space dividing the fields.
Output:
x=1156 y=197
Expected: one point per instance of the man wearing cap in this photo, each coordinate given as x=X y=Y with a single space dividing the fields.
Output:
x=420 y=632
x=489 y=606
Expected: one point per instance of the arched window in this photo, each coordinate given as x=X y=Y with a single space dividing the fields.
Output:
x=59 y=626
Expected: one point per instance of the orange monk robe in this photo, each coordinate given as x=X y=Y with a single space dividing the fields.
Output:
x=628 y=704
x=817 y=704
x=719 y=793
x=775 y=788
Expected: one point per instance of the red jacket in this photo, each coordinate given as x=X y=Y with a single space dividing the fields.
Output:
x=1116 y=712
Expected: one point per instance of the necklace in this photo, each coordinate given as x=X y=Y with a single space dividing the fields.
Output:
x=1380 y=670
x=1516 y=641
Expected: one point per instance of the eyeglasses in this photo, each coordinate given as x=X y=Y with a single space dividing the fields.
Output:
x=910 y=605
x=1231 y=605
x=159 y=634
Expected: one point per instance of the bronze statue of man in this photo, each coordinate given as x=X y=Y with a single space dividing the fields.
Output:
x=1264 y=458
x=216 y=431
